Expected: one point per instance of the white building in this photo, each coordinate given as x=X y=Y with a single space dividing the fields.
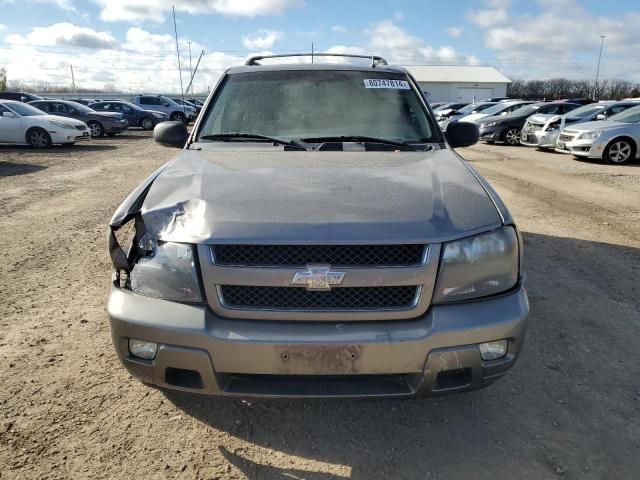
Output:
x=459 y=83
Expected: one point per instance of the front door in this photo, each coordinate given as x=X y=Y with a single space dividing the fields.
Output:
x=10 y=127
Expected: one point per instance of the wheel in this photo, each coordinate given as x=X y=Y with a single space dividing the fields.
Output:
x=38 y=138
x=146 y=124
x=96 y=129
x=620 y=150
x=178 y=117
x=512 y=136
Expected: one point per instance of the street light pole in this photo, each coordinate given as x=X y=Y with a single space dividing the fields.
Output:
x=190 y=68
x=595 y=90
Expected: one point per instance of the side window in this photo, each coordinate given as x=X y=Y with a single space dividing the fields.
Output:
x=552 y=109
x=145 y=100
x=614 y=110
x=59 y=108
x=42 y=106
x=114 y=107
x=125 y=108
x=3 y=109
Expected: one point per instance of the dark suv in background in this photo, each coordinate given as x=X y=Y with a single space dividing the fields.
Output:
x=135 y=115
x=20 y=96
x=100 y=123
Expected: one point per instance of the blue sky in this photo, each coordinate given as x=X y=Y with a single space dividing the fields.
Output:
x=128 y=43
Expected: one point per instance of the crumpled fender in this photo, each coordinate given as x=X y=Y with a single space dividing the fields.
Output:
x=129 y=209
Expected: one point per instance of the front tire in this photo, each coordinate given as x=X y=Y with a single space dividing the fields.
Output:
x=97 y=130
x=512 y=137
x=146 y=124
x=620 y=150
x=38 y=138
x=179 y=117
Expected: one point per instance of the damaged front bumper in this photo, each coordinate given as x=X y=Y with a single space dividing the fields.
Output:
x=201 y=352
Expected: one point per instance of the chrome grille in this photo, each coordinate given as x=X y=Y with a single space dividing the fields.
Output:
x=295 y=298
x=337 y=255
x=565 y=138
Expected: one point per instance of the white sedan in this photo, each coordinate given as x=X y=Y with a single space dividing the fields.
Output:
x=23 y=124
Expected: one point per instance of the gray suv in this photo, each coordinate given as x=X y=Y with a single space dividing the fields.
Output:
x=99 y=123
x=317 y=236
x=159 y=103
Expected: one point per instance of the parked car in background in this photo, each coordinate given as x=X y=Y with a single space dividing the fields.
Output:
x=135 y=115
x=304 y=248
x=497 y=99
x=19 y=96
x=187 y=103
x=196 y=102
x=507 y=128
x=614 y=140
x=464 y=111
x=21 y=123
x=500 y=108
x=443 y=111
x=435 y=105
x=165 y=105
x=100 y=123
x=542 y=130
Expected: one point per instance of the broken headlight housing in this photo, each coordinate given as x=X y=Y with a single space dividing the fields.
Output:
x=165 y=270
x=478 y=266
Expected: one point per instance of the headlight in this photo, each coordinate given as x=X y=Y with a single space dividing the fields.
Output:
x=158 y=115
x=591 y=135
x=490 y=124
x=167 y=272
x=478 y=266
x=61 y=124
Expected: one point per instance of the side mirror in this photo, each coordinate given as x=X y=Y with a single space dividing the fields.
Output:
x=165 y=104
x=601 y=116
x=462 y=134
x=171 y=134
x=503 y=113
x=9 y=115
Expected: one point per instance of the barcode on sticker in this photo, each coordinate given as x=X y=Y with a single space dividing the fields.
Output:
x=386 y=83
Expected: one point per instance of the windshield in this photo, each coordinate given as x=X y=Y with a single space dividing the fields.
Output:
x=496 y=109
x=628 y=116
x=80 y=108
x=585 y=111
x=524 y=111
x=24 y=110
x=132 y=105
x=305 y=104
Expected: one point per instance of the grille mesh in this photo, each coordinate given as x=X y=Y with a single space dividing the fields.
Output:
x=281 y=298
x=300 y=255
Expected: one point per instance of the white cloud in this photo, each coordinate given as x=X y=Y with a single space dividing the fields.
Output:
x=455 y=32
x=159 y=10
x=393 y=42
x=339 y=29
x=66 y=34
x=153 y=70
x=563 y=40
x=487 y=18
x=2 y=27
x=262 y=39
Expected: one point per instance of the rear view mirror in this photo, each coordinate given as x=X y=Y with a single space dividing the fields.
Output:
x=462 y=134
x=171 y=134
x=601 y=116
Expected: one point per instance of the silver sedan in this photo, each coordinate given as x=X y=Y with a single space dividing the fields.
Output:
x=615 y=140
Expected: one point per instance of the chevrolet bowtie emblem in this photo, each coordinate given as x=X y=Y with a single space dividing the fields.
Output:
x=318 y=277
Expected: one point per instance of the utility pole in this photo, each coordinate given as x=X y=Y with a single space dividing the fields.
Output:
x=595 y=89
x=73 y=80
x=194 y=72
x=312 y=52
x=190 y=68
x=175 y=29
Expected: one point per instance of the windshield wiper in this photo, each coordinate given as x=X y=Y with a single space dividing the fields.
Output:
x=229 y=137
x=361 y=138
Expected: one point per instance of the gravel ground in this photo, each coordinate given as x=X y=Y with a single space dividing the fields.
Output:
x=569 y=409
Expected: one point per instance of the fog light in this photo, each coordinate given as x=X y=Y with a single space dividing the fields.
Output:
x=141 y=349
x=493 y=350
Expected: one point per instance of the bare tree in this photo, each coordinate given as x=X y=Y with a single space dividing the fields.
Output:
x=3 y=79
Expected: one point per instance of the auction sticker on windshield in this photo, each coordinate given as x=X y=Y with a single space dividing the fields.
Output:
x=386 y=83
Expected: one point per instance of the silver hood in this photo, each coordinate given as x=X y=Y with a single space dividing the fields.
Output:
x=245 y=195
x=597 y=125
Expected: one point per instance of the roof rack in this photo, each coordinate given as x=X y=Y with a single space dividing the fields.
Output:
x=375 y=59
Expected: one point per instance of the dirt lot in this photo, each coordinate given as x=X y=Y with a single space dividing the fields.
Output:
x=569 y=409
